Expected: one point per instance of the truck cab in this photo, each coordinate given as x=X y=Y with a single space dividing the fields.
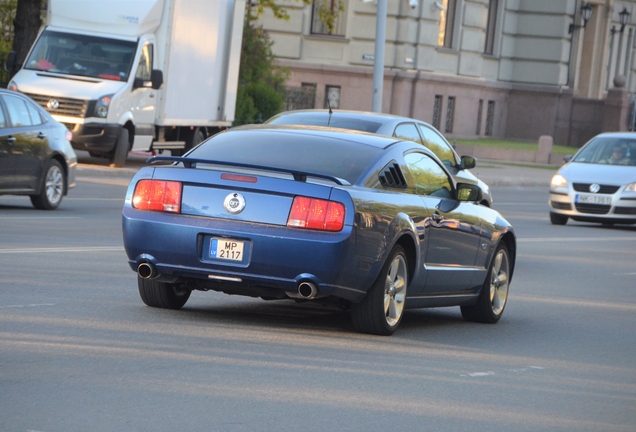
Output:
x=119 y=74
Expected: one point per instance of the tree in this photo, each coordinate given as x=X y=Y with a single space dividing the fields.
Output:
x=7 y=15
x=260 y=80
x=26 y=26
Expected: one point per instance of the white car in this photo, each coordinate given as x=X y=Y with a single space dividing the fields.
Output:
x=598 y=184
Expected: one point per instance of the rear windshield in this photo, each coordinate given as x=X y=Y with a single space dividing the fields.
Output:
x=345 y=159
x=324 y=119
x=608 y=150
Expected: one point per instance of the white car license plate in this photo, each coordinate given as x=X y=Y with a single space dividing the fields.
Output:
x=227 y=249
x=593 y=199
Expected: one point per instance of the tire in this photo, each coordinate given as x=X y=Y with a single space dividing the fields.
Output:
x=557 y=219
x=192 y=141
x=494 y=294
x=120 y=153
x=161 y=294
x=381 y=310
x=51 y=188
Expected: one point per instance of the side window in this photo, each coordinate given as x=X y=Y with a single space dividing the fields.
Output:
x=407 y=131
x=17 y=111
x=3 y=122
x=439 y=146
x=145 y=63
x=430 y=179
x=36 y=118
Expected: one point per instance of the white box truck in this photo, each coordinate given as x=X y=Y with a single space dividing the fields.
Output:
x=141 y=75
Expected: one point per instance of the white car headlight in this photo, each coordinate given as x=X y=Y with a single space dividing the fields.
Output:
x=630 y=187
x=101 y=108
x=558 y=181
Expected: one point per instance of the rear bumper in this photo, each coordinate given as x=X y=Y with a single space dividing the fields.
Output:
x=279 y=257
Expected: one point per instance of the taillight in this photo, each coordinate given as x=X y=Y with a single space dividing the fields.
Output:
x=157 y=195
x=316 y=214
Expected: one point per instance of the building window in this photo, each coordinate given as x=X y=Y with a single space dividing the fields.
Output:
x=479 y=114
x=450 y=114
x=437 y=111
x=325 y=12
x=490 y=117
x=446 y=23
x=332 y=97
x=493 y=7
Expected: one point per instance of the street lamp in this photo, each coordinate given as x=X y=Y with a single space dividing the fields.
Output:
x=587 y=13
x=623 y=16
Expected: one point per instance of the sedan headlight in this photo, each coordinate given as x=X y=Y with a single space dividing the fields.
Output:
x=558 y=181
x=12 y=86
x=630 y=187
x=101 y=108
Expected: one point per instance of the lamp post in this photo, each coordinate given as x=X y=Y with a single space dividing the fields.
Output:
x=378 y=60
x=623 y=17
x=587 y=13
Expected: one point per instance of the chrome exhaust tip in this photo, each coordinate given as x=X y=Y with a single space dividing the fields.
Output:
x=146 y=270
x=307 y=290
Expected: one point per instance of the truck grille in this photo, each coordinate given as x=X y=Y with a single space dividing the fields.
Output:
x=67 y=106
x=585 y=187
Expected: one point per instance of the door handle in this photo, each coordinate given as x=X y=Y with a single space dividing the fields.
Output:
x=41 y=135
x=437 y=217
x=11 y=140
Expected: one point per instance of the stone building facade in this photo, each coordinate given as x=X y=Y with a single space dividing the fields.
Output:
x=514 y=69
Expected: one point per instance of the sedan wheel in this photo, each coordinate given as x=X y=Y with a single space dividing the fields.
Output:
x=380 y=312
x=494 y=294
x=52 y=189
x=557 y=219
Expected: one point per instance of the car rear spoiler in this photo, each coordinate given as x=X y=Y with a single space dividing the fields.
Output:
x=298 y=175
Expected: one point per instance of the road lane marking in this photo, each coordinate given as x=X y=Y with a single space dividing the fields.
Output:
x=28 y=305
x=574 y=240
x=63 y=249
x=491 y=373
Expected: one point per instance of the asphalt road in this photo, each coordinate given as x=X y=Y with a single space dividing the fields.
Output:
x=80 y=352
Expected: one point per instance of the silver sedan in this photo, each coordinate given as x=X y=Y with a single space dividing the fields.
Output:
x=395 y=126
x=598 y=184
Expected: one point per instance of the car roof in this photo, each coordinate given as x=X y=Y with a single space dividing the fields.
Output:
x=362 y=138
x=360 y=115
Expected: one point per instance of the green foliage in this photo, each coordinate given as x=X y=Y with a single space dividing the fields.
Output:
x=7 y=15
x=259 y=77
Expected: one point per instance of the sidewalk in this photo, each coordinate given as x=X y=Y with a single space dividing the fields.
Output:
x=493 y=173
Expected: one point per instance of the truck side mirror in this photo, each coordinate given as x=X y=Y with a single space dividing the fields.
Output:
x=9 y=64
x=156 y=77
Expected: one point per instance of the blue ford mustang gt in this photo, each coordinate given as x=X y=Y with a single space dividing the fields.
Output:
x=371 y=223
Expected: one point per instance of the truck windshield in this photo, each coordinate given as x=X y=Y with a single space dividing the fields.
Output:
x=75 y=54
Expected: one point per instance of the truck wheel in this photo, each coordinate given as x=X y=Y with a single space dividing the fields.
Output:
x=381 y=310
x=192 y=141
x=120 y=153
x=52 y=187
x=161 y=294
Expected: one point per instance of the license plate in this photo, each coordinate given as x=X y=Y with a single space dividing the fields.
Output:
x=593 y=199
x=226 y=249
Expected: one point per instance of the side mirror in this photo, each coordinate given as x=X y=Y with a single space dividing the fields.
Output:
x=156 y=77
x=469 y=192
x=468 y=162
x=567 y=158
x=9 y=64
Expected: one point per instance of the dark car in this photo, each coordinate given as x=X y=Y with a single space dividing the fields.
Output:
x=370 y=223
x=36 y=157
x=395 y=126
